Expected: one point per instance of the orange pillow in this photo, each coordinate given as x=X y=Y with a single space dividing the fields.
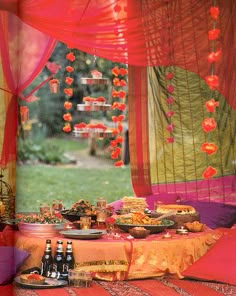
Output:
x=219 y=263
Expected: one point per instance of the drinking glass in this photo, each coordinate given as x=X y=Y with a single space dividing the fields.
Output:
x=57 y=206
x=79 y=278
x=85 y=222
x=44 y=208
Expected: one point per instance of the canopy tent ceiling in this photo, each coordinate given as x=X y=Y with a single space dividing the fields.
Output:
x=137 y=32
x=140 y=33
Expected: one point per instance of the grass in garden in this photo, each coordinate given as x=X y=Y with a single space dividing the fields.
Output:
x=37 y=184
x=68 y=144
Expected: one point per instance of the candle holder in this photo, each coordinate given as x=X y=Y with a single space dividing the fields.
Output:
x=182 y=231
x=167 y=235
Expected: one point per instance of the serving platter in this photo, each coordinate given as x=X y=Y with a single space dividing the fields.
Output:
x=82 y=234
x=49 y=284
x=153 y=228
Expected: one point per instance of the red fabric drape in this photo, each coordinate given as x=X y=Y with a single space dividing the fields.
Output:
x=24 y=52
x=105 y=28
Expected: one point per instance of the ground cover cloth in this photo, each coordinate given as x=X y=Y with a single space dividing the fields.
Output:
x=149 y=287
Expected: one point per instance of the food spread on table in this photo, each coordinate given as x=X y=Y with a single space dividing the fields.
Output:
x=181 y=214
x=32 y=278
x=82 y=207
x=178 y=209
x=138 y=218
x=130 y=204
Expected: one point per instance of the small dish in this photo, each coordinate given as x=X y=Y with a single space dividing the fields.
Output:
x=139 y=232
x=195 y=226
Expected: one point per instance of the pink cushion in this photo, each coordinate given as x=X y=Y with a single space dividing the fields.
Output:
x=219 y=263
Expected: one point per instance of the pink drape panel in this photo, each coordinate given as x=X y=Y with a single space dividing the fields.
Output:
x=24 y=52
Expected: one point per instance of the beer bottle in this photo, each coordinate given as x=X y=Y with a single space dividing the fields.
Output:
x=47 y=260
x=59 y=259
x=69 y=258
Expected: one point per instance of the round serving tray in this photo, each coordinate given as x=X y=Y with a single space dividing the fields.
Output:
x=152 y=228
x=87 y=80
x=40 y=230
x=93 y=107
x=49 y=284
x=83 y=233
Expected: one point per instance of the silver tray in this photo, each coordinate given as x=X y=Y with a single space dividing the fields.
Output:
x=91 y=133
x=93 y=107
x=49 y=284
x=83 y=233
x=88 y=80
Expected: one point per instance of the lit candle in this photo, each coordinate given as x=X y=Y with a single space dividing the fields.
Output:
x=167 y=235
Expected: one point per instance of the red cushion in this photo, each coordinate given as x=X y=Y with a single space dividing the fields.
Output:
x=219 y=263
x=8 y=236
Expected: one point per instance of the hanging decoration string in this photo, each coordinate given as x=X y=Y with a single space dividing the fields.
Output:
x=119 y=104
x=209 y=124
x=68 y=91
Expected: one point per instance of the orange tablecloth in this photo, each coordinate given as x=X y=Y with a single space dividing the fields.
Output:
x=128 y=259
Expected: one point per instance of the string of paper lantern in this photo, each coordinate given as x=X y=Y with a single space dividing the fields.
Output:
x=119 y=94
x=170 y=101
x=68 y=91
x=209 y=124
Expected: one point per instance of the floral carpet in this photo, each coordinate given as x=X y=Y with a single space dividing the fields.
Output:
x=148 y=287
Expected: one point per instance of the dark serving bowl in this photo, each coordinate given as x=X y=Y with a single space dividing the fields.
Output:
x=66 y=214
x=153 y=228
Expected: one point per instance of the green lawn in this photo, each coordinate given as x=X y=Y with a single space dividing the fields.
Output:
x=39 y=183
x=68 y=144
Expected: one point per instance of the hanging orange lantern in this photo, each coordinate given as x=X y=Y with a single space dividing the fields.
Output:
x=66 y=128
x=24 y=113
x=213 y=34
x=209 y=172
x=211 y=105
x=209 y=148
x=208 y=125
x=54 y=86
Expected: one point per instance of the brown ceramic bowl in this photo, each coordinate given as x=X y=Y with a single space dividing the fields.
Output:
x=139 y=232
x=195 y=226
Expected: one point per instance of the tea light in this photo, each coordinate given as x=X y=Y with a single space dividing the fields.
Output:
x=68 y=227
x=181 y=230
x=167 y=235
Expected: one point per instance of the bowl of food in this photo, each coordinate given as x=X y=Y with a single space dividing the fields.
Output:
x=195 y=226
x=37 y=225
x=126 y=222
x=139 y=232
x=79 y=209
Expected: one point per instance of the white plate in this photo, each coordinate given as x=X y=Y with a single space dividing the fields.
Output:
x=49 y=284
x=83 y=233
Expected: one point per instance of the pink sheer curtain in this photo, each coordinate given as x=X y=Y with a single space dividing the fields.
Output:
x=24 y=52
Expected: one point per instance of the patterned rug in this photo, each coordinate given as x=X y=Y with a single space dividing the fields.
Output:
x=148 y=287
